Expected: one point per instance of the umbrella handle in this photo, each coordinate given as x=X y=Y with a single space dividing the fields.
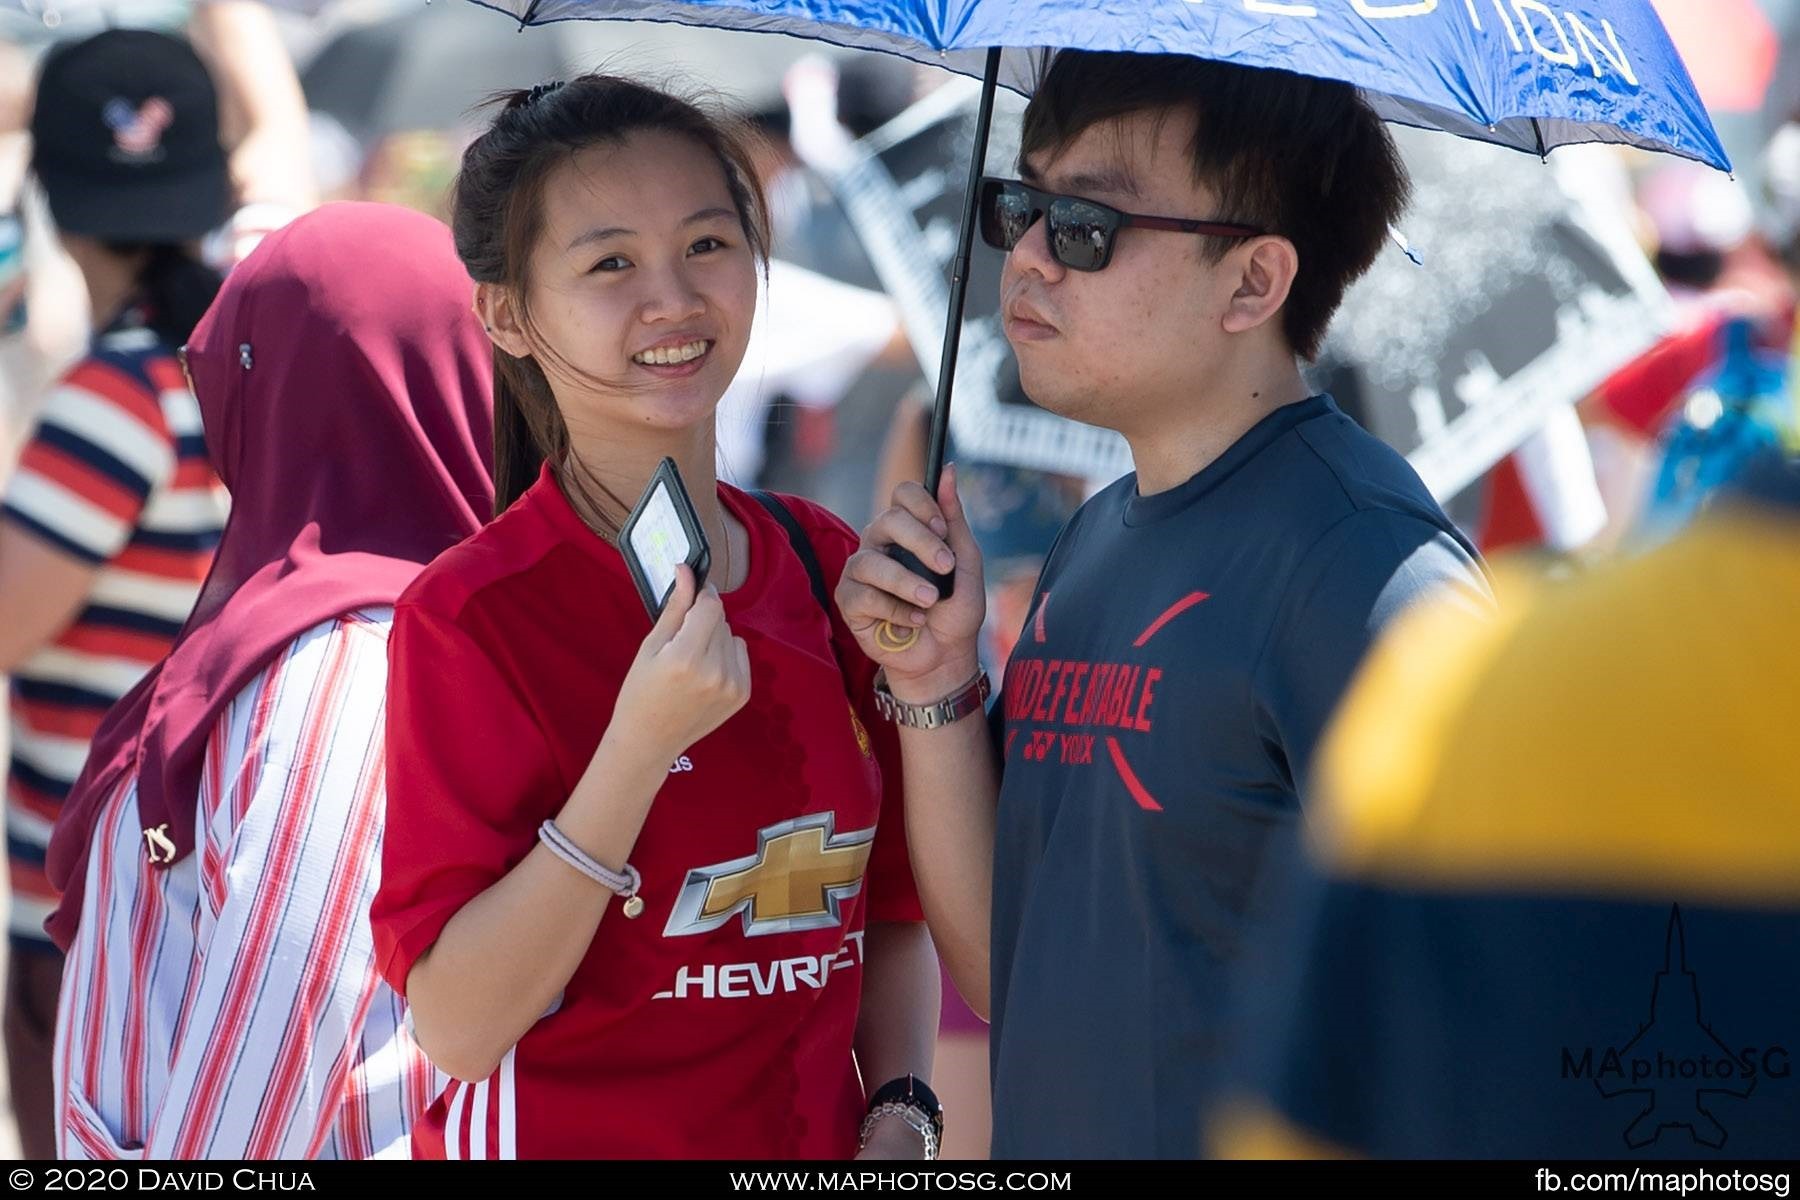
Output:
x=888 y=636
x=898 y=638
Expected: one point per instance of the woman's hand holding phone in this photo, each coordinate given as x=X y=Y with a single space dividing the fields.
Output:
x=690 y=675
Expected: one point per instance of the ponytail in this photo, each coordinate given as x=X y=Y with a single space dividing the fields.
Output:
x=178 y=288
x=528 y=430
x=518 y=455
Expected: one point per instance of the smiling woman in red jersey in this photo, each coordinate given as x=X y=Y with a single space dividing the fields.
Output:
x=645 y=885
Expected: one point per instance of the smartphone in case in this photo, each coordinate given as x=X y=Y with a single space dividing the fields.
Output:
x=661 y=533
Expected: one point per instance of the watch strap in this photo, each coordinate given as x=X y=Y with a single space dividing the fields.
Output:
x=970 y=698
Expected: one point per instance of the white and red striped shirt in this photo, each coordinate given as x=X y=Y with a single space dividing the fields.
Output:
x=115 y=476
x=229 y=1006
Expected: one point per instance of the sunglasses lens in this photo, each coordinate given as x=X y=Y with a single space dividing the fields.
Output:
x=1080 y=233
x=1005 y=216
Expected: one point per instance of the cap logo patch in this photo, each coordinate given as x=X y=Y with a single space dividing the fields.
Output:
x=137 y=132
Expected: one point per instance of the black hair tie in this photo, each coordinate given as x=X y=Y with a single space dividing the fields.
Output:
x=541 y=90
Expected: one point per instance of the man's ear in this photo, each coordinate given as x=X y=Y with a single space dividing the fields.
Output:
x=499 y=313
x=1267 y=267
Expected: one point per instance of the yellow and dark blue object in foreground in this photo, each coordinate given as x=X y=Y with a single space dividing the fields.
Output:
x=1552 y=891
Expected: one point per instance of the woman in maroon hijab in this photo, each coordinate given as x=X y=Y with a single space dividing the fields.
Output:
x=218 y=855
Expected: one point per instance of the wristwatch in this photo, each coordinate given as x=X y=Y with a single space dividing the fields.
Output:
x=965 y=700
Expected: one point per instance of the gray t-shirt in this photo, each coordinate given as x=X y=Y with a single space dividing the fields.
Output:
x=1159 y=714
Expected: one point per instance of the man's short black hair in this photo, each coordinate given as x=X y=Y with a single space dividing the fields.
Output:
x=1304 y=158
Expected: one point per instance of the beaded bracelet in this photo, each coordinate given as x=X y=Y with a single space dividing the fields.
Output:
x=624 y=885
x=911 y=1115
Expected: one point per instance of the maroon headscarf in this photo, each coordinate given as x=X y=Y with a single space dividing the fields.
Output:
x=347 y=394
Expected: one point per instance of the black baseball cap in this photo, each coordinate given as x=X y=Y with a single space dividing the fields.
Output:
x=125 y=139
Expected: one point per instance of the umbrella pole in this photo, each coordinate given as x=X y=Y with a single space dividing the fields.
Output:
x=959 y=276
x=890 y=636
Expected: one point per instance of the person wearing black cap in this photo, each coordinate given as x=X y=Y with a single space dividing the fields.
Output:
x=108 y=525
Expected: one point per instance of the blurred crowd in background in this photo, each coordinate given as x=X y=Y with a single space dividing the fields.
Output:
x=375 y=99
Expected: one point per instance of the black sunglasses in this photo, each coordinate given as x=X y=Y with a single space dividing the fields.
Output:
x=1081 y=231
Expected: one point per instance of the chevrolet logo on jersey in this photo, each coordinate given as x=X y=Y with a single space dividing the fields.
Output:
x=795 y=881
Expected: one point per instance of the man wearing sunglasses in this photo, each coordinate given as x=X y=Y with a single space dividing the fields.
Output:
x=1181 y=235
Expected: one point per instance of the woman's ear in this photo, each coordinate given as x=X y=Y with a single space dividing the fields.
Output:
x=1263 y=284
x=499 y=314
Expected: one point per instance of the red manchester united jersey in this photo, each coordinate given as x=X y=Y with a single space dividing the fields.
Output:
x=718 y=1023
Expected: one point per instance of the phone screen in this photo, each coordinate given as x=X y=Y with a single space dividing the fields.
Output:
x=660 y=541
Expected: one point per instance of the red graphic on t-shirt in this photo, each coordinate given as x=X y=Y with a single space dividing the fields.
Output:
x=1098 y=696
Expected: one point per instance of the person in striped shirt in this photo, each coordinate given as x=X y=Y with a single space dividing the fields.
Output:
x=220 y=851
x=109 y=522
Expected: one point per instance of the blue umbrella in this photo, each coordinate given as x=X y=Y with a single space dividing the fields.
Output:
x=1529 y=74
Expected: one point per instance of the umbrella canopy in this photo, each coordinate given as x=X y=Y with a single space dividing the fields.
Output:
x=425 y=68
x=1529 y=74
